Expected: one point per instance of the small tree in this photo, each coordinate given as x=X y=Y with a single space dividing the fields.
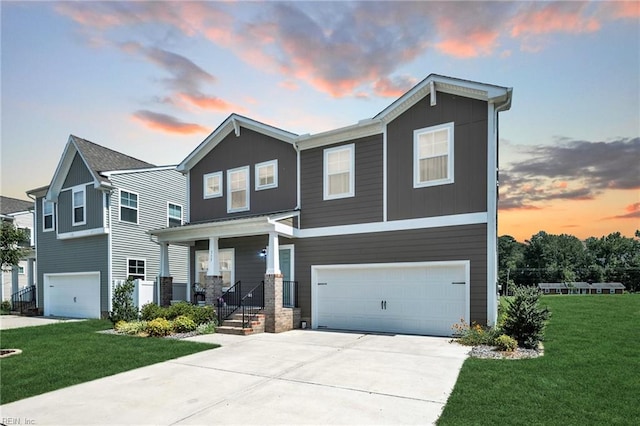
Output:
x=123 y=307
x=10 y=249
x=525 y=319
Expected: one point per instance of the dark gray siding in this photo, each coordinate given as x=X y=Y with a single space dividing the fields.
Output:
x=248 y=149
x=366 y=206
x=78 y=173
x=76 y=255
x=94 y=210
x=419 y=245
x=468 y=193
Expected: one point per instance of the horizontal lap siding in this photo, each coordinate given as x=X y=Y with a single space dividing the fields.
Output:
x=94 y=210
x=420 y=245
x=365 y=206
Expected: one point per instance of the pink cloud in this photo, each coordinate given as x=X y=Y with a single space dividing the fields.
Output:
x=623 y=9
x=393 y=88
x=209 y=102
x=166 y=123
x=289 y=85
x=565 y=17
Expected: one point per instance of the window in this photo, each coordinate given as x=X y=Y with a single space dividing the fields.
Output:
x=546 y=290
x=174 y=215
x=212 y=185
x=128 y=207
x=339 y=170
x=47 y=215
x=136 y=269
x=238 y=189
x=78 y=195
x=433 y=155
x=267 y=175
x=20 y=269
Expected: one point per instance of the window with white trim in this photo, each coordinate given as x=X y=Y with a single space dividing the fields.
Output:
x=238 y=189
x=128 y=206
x=78 y=198
x=20 y=269
x=136 y=269
x=433 y=155
x=339 y=171
x=174 y=215
x=47 y=215
x=212 y=185
x=267 y=175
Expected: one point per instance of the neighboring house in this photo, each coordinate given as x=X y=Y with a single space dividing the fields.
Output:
x=91 y=227
x=387 y=225
x=553 y=288
x=581 y=288
x=607 y=288
x=20 y=212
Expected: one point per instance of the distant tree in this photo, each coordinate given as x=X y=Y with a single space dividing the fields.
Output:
x=615 y=258
x=554 y=258
x=510 y=260
x=11 y=239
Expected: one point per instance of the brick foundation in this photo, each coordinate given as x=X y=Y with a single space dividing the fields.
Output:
x=166 y=290
x=213 y=289
x=277 y=318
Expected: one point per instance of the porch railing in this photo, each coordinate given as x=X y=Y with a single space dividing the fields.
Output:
x=229 y=302
x=232 y=301
x=252 y=303
x=24 y=301
x=290 y=294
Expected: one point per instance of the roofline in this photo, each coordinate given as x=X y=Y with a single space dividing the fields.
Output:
x=148 y=169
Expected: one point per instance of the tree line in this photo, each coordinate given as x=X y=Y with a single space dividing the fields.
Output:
x=548 y=258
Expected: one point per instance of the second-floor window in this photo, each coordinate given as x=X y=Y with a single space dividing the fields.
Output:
x=79 y=217
x=47 y=215
x=128 y=206
x=339 y=171
x=433 y=155
x=212 y=185
x=238 y=189
x=174 y=215
x=267 y=175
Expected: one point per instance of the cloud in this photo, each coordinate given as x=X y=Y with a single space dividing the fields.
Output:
x=167 y=123
x=393 y=87
x=553 y=17
x=632 y=212
x=570 y=170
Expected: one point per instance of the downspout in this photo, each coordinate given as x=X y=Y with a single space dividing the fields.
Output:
x=35 y=243
x=297 y=148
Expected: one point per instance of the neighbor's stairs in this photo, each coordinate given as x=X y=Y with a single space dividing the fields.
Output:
x=233 y=325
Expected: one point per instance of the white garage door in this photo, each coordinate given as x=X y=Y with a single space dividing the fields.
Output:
x=413 y=298
x=74 y=295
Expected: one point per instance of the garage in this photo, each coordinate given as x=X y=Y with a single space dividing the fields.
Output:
x=73 y=295
x=410 y=298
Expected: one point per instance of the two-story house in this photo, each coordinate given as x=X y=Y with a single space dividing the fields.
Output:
x=91 y=228
x=387 y=225
x=20 y=213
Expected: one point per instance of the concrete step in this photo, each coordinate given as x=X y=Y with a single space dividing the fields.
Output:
x=238 y=331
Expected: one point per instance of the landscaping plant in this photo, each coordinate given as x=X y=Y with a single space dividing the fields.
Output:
x=123 y=307
x=525 y=319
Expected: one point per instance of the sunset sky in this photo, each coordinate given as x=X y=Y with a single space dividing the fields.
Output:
x=152 y=79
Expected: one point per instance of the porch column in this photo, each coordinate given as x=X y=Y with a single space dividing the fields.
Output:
x=166 y=281
x=14 y=279
x=277 y=318
x=213 y=279
x=31 y=271
x=273 y=255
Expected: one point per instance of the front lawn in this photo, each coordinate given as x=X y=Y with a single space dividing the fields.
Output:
x=60 y=355
x=589 y=374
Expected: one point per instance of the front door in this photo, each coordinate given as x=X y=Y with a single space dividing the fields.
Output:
x=286 y=267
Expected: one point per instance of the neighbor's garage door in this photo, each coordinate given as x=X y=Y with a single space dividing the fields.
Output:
x=413 y=298
x=75 y=295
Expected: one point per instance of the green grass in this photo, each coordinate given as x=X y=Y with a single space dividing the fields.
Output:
x=589 y=375
x=60 y=355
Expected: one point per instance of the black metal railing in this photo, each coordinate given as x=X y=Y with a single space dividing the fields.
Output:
x=24 y=301
x=229 y=302
x=290 y=294
x=252 y=303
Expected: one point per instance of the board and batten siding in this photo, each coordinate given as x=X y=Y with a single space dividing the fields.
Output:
x=93 y=210
x=468 y=193
x=68 y=256
x=468 y=242
x=78 y=173
x=155 y=188
x=248 y=149
x=365 y=206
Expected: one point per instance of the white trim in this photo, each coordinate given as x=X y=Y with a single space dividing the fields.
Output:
x=298 y=189
x=364 y=128
x=417 y=183
x=84 y=233
x=76 y=189
x=120 y=206
x=351 y=148
x=385 y=175
x=395 y=225
x=109 y=207
x=169 y=203
x=136 y=259
x=188 y=192
x=270 y=163
x=246 y=170
x=316 y=268
x=130 y=171
x=205 y=187
x=53 y=215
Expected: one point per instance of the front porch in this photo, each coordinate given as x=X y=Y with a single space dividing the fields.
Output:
x=240 y=267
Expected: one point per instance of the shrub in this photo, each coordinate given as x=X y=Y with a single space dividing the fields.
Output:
x=207 y=328
x=203 y=315
x=133 y=327
x=183 y=324
x=123 y=307
x=5 y=306
x=525 y=319
x=159 y=327
x=506 y=343
x=474 y=334
x=180 y=309
x=151 y=311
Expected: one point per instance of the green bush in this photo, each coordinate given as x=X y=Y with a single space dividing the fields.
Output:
x=151 y=311
x=183 y=324
x=180 y=309
x=123 y=306
x=525 y=320
x=133 y=327
x=474 y=334
x=199 y=314
x=506 y=343
x=207 y=328
x=159 y=327
x=5 y=306
x=203 y=315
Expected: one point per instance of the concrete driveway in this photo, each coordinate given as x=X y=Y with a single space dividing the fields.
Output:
x=17 y=321
x=298 y=377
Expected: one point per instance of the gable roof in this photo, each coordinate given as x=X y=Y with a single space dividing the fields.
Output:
x=10 y=205
x=98 y=160
x=232 y=123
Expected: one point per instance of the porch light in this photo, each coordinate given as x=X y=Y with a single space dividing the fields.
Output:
x=263 y=252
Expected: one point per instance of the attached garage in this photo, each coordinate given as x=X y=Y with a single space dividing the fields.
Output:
x=411 y=298
x=73 y=295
